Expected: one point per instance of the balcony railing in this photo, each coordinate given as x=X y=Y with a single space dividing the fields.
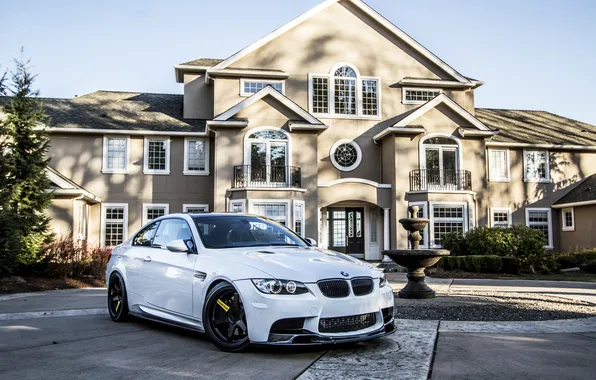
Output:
x=437 y=179
x=270 y=176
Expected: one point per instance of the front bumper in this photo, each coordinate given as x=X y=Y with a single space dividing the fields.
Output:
x=263 y=310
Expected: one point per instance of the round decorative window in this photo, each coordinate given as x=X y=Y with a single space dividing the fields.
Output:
x=345 y=155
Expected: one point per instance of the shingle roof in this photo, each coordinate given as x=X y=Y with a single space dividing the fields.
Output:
x=208 y=62
x=121 y=111
x=585 y=191
x=536 y=127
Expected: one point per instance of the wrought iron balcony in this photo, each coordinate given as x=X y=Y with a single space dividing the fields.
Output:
x=437 y=179
x=270 y=176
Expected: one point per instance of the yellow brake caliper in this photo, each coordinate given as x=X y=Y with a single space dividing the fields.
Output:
x=223 y=305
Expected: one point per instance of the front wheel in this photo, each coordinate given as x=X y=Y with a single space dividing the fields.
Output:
x=224 y=318
x=117 y=299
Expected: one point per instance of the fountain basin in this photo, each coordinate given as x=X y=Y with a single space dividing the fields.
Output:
x=416 y=260
x=414 y=224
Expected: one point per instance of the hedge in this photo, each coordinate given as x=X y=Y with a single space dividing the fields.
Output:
x=481 y=264
x=577 y=259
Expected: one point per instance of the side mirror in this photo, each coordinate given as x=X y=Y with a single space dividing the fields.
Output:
x=177 y=246
x=312 y=242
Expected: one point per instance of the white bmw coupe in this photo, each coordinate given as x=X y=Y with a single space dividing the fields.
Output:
x=245 y=279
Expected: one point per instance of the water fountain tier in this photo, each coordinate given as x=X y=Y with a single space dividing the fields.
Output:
x=415 y=259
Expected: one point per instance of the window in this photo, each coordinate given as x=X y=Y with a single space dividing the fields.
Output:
x=145 y=237
x=500 y=217
x=419 y=95
x=540 y=219
x=498 y=165
x=345 y=155
x=299 y=217
x=196 y=157
x=252 y=86
x=440 y=162
x=170 y=230
x=114 y=223
x=536 y=166
x=568 y=219
x=277 y=211
x=157 y=156
x=339 y=228
x=446 y=218
x=152 y=211
x=115 y=154
x=344 y=93
x=237 y=206
x=373 y=215
x=195 y=209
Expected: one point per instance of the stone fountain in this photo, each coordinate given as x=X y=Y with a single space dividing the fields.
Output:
x=415 y=259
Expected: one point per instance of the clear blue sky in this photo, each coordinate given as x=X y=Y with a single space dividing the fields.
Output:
x=532 y=54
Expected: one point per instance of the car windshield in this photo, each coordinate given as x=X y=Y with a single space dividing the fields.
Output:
x=233 y=231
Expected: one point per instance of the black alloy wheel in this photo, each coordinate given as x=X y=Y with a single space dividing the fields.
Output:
x=224 y=318
x=117 y=300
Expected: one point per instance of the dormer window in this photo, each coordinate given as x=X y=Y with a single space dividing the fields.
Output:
x=252 y=86
x=419 y=95
x=343 y=93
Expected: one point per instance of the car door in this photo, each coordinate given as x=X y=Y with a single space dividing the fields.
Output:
x=141 y=249
x=168 y=276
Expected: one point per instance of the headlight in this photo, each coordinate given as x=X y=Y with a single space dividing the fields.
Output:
x=382 y=280
x=273 y=286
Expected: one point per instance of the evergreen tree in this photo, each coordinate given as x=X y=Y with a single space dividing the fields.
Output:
x=26 y=183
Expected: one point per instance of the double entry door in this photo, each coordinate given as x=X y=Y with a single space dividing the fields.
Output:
x=441 y=166
x=346 y=230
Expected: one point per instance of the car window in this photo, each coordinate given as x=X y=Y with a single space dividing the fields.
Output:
x=144 y=237
x=229 y=231
x=173 y=229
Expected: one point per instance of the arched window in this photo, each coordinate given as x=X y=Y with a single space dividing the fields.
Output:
x=439 y=160
x=343 y=92
x=267 y=155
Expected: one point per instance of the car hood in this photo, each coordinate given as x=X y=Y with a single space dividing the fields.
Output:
x=304 y=264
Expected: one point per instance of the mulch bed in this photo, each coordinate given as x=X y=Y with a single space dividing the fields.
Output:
x=38 y=284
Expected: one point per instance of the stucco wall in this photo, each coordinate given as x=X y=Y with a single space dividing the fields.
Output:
x=583 y=236
x=61 y=216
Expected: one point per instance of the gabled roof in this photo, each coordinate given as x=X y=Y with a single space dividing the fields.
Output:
x=441 y=99
x=119 y=111
x=269 y=91
x=582 y=194
x=65 y=186
x=368 y=11
x=537 y=127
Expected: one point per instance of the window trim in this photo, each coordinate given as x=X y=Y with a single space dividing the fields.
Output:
x=186 y=206
x=287 y=202
x=331 y=92
x=147 y=206
x=500 y=209
x=336 y=164
x=105 y=206
x=537 y=180
x=146 y=169
x=563 y=224
x=186 y=171
x=491 y=176
x=549 y=244
x=426 y=241
x=431 y=225
x=104 y=166
x=246 y=94
x=299 y=202
x=404 y=89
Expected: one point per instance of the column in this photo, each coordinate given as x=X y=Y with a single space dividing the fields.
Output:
x=324 y=233
x=386 y=232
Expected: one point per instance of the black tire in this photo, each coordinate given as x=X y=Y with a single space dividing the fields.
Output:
x=117 y=298
x=226 y=326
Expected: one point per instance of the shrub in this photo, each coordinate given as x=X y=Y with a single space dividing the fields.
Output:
x=9 y=243
x=66 y=257
x=491 y=241
x=511 y=265
x=576 y=259
x=456 y=243
x=479 y=264
x=589 y=267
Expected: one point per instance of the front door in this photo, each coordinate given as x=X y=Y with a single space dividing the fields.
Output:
x=346 y=230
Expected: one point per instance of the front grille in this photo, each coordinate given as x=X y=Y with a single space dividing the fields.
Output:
x=334 y=288
x=346 y=324
x=362 y=286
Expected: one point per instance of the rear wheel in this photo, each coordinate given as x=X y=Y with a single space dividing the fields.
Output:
x=117 y=300
x=224 y=318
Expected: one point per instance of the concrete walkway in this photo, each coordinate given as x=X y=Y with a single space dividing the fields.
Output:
x=68 y=334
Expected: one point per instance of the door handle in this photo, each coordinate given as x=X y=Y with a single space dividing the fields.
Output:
x=147 y=259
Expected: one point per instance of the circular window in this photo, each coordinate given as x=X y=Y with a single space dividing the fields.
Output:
x=345 y=155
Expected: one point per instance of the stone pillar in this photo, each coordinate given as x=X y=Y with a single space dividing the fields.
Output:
x=386 y=232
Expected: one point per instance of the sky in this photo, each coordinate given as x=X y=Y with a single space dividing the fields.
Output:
x=531 y=54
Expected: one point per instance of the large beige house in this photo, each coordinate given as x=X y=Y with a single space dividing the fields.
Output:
x=333 y=125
